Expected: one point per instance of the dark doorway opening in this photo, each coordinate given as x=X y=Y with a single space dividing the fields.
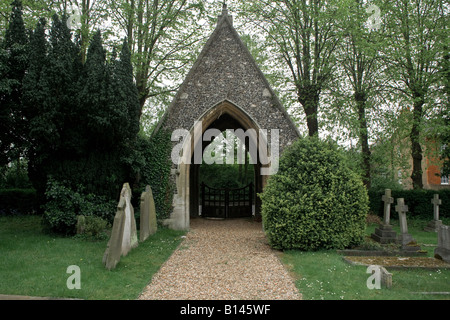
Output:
x=222 y=119
x=221 y=189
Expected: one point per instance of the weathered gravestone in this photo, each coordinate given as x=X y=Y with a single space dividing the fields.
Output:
x=381 y=276
x=124 y=234
x=81 y=224
x=434 y=224
x=443 y=249
x=148 y=215
x=384 y=233
x=404 y=239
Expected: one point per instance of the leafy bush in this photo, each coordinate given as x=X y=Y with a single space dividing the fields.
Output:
x=64 y=205
x=92 y=227
x=314 y=201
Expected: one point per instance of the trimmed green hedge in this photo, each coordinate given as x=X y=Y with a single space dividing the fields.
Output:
x=315 y=201
x=418 y=202
x=18 y=201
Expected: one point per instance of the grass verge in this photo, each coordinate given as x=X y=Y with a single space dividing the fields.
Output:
x=35 y=264
x=324 y=275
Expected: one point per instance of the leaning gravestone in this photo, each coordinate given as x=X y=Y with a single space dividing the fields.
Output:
x=443 y=249
x=148 y=214
x=81 y=224
x=434 y=224
x=384 y=233
x=386 y=278
x=405 y=239
x=124 y=234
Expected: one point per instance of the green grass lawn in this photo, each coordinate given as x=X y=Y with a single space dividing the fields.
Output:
x=33 y=263
x=325 y=275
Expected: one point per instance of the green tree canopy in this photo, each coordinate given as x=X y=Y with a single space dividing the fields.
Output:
x=13 y=65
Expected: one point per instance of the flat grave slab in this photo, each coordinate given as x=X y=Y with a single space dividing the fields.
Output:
x=398 y=262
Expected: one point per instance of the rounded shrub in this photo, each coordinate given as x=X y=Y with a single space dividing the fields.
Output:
x=314 y=201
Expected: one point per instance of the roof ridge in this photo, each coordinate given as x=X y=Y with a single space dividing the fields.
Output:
x=225 y=18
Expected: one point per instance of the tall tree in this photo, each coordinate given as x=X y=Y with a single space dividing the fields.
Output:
x=86 y=15
x=32 y=82
x=445 y=113
x=13 y=66
x=416 y=34
x=305 y=35
x=51 y=103
x=127 y=93
x=160 y=36
x=83 y=118
x=363 y=71
x=94 y=96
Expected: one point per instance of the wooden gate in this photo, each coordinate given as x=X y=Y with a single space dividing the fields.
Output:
x=227 y=203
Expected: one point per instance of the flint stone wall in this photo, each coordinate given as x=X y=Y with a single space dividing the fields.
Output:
x=224 y=73
x=225 y=70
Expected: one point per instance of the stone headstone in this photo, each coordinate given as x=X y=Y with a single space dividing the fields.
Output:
x=404 y=239
x=384 y=233
x=388 y=200
x=401 y=209
x=386 y=278
x=434 y=224
x=124 y=234
x=443 y=248
x=148 y=215
x=81 y=224
x=114 y=249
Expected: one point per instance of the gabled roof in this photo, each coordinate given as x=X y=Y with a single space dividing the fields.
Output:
x=226 y=21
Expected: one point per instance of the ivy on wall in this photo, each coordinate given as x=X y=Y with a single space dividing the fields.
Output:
x=156 y=171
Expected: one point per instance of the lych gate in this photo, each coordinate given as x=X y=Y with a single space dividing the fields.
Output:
x=223 y=116
x=225 y=89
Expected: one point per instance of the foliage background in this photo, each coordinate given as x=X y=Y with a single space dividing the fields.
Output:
x=72 y=78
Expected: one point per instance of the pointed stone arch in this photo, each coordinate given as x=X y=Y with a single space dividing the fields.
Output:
x=222 y=116
x=225 y=89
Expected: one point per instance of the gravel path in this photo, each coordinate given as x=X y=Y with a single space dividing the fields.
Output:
x=222 y=260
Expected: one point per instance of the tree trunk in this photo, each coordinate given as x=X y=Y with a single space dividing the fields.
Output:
x=143 y=95
x=85 y=19
x=361 y=100
x=416 y=149
x=309 y=99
